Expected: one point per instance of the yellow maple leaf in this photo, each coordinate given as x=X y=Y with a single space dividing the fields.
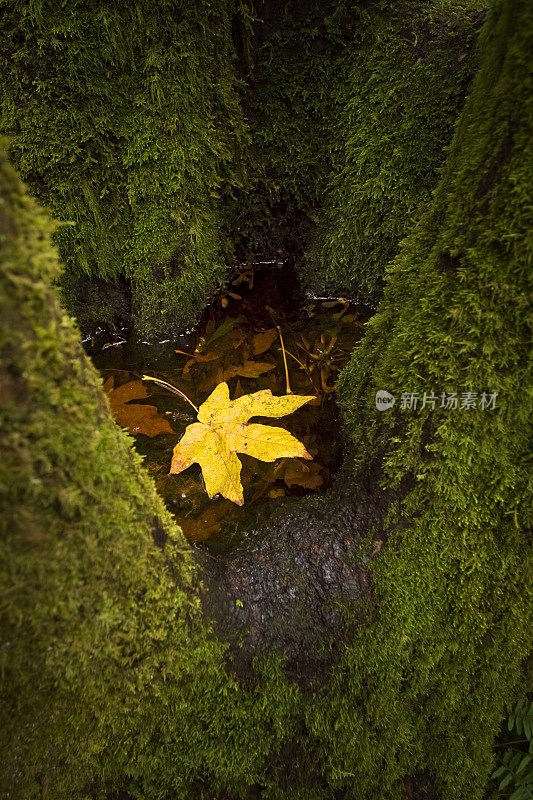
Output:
x=223 y=430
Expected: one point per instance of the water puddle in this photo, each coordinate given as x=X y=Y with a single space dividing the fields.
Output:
x=238 y=341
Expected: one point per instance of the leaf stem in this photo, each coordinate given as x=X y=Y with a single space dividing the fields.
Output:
x=288 y=386
x=515 y=741
x=296 y=359
x=171 y=388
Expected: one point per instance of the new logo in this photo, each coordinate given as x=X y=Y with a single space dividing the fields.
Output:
x=384 y=400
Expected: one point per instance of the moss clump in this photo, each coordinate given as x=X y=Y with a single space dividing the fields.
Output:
x=422 y=691
x=404 y=82
x=125 y=122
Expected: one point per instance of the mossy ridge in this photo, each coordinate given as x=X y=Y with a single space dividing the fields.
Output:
x=424 y=688
x=406 y=77
x=291 y=61
x=127 y=125
x=110 y=676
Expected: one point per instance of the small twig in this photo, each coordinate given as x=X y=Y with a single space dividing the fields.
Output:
x=288 y=386
x=306 y=370
x=311 y=355
x=183 y=353
x=515 y=741
x=296 y=359
x=44 y=785
x=171 y=388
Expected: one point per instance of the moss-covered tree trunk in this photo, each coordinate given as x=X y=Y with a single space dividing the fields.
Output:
x=454 y=584
x=111 y=677
x=402 y=86
x=125 y=122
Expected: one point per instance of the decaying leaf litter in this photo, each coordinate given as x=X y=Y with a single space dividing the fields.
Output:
x=238 y=342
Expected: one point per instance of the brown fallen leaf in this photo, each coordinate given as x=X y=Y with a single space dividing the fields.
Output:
x=200 y=357
x=187 y=368
x=267 y=472
x=324 y=375
x=275 y=382
x=214 y=376
x=224 y=301
x=342 y=312
x=223 y=329
x=253 y=369
x=333 y=303
x=306 y=475
x=133 y=390
x=209 y=523
x=263 y=341
x=352 y=319
x=250 y=369
x=223 y=430
x=135 y=417
x=236 y=337
x=247 y=276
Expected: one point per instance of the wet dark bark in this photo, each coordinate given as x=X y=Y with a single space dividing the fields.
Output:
x=300 y=585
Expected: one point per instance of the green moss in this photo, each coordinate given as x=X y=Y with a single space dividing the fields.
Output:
x=126 y=123
x=292 y=63
x=406 y=75
x=454 y=585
